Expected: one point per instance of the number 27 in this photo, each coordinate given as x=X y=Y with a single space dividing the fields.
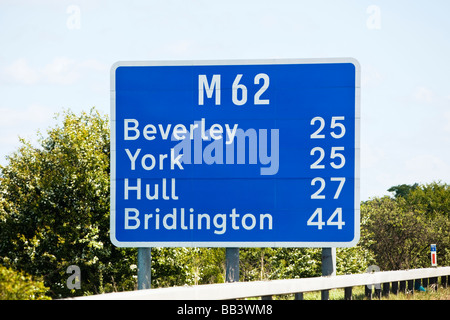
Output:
x=321 y=181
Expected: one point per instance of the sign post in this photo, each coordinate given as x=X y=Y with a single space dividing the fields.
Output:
x=144 y=266
x=433 y=255
x=328 y=268
x=238 y=153
x=232 y=264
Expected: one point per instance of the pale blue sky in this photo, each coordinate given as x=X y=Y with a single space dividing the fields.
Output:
x=56 y=54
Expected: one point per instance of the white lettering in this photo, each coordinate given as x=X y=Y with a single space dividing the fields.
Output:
x=133 y=157
x=152 y=162
x=204 y=86
x=216 y=131
x=231 y=133
x=148 y=187
x=128 y=128
x=164 y=134
x=172 y=216
x=252 y=224
x=222 y=226
x=149 y=130
x=175 y=161
x=137 y=188
x=203 y=221
x=233 y=216
x=179 y=129
x=261 y=221
x=137 y=222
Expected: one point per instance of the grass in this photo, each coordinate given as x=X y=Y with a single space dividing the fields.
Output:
x=358 y=293
x=430 y=294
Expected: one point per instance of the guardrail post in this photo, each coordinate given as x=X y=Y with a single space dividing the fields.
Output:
x=377 y=292
x=368 y=291
x=348 y=293
x=444 y=281
x=299 y=296
x=425 y=283
x=386 y=288
x=431 y=283
x=394 y=287
x=434 y=283
x=403 y=287
x=411 y=286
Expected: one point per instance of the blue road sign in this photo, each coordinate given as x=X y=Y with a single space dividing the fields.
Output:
x=235 y=153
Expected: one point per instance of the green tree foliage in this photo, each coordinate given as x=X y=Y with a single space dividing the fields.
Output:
x=399 y=231
x=403 y=190
x=19 y=286
x=432 y=200
x=278 y=263
x=54 y=212
x=187 y=266
x=292 y=263
x=55 y=208
x=397 y=235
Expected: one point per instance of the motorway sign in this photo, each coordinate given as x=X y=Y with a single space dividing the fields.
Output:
x=254 y=153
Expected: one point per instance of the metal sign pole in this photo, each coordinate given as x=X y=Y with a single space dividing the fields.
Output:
x=232 y=264
x=144 y=267
x=328 y=267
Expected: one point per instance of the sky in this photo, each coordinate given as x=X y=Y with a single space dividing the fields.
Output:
x=57 y=55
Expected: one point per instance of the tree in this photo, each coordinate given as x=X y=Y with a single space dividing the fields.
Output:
x=54 y=208
x=395 y=234
x=433 y=202
x=187 y=266
x=403 y=190
x=19 y=286
x=431 y=199
x=296 y=263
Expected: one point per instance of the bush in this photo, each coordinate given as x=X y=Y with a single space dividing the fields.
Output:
x=54 y=208
x=20 y=286
x=399 y=231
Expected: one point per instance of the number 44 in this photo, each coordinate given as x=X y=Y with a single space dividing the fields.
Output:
x=334 y=220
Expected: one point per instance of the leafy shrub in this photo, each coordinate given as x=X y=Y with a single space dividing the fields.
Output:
x=20 y=286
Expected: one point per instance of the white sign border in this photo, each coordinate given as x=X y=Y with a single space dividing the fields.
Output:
x=232 y=244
